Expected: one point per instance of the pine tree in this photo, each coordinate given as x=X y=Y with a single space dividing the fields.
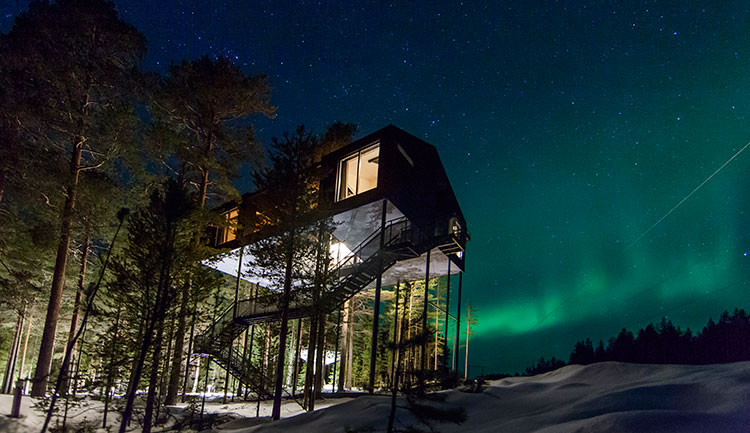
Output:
x=73 y=61
x=202 y=108
x=583 y=353
x=201 y=134
x=425 y=407
x=471 y=320
x=543 y=366
x=153 y=259
x=294 y=239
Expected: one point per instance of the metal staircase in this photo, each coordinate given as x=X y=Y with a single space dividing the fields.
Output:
x=231 y=360
x=401 y=240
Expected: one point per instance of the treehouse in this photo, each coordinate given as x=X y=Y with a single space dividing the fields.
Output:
x=395 y=219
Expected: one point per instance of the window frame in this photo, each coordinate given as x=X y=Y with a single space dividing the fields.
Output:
x=340 y=171
x=231 y=226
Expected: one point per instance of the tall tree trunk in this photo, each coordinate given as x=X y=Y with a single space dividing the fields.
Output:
x=135 y=378
x=153 y=381
x=226 y=380
x=167 y=360
x=266 y=346
x=309 y=367
x=315 y=345
x=344 y=347
x=10 y=367
x=466 y=358
x=423 y=354
x=276 y=411
x=111 y=369
x=197 y=376
x=249 y=345
x=25 y=344
x=243 y=365
x=141 y=336
x=295 y=374
x=437 y=323
x=203 y=186
x=320 y=357
x=348 y=383
x=336 y=354
x=174 y=376
x=447 y=316
x=44 y=360
x=190 y=352
x=78 y=361
x=163 y=377
x=411 y=359
x=76 y=309
x=456 y=342
x=289 y=372
x=397 y=339
x=160 y=308
x=263 y=366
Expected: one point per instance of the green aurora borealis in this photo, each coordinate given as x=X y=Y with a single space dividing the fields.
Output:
x=567 y=129
x=562 y=269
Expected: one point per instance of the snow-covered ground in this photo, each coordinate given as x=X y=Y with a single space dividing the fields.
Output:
x=90 y=411
x=606 y=397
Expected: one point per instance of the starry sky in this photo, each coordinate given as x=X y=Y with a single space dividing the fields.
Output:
x=568 y=129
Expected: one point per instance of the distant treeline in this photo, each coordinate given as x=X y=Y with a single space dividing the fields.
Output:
x=727 y=340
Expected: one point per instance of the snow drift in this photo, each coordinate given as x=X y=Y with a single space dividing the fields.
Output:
x=605 y=397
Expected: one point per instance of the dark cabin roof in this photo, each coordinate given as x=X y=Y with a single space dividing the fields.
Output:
x=421 y=190
x=410 y=175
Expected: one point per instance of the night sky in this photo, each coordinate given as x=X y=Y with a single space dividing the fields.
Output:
x=567 y=129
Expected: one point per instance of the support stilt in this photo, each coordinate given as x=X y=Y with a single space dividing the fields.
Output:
x=458 y=320
x=376 y=306
x=447 y=315
x=423 y=358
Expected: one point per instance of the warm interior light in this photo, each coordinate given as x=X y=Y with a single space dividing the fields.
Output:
x=229 y=233
x=368 y=171
x=339 y=252
x=359 y=172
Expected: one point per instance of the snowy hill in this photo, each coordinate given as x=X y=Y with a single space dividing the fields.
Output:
x=606 y=397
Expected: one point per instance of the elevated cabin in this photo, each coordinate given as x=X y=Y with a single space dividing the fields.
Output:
x=396 y=220
x=388 y=166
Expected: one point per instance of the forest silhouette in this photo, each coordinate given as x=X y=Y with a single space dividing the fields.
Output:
x=725 y=341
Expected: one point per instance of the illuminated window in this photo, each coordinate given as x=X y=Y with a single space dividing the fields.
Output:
x=229 y=232
x=358 y=173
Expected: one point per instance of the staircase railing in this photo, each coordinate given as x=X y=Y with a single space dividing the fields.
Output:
x=233 y=361
x=399 y=232
x=401 y=238
x=398 y=229
x=371 y=244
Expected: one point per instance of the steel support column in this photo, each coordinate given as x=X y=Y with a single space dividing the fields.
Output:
x=447 y=315
x=423 y=360
x=376 y=306
x=458 y=319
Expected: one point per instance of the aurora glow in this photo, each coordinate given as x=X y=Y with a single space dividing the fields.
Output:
x=567 y=130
